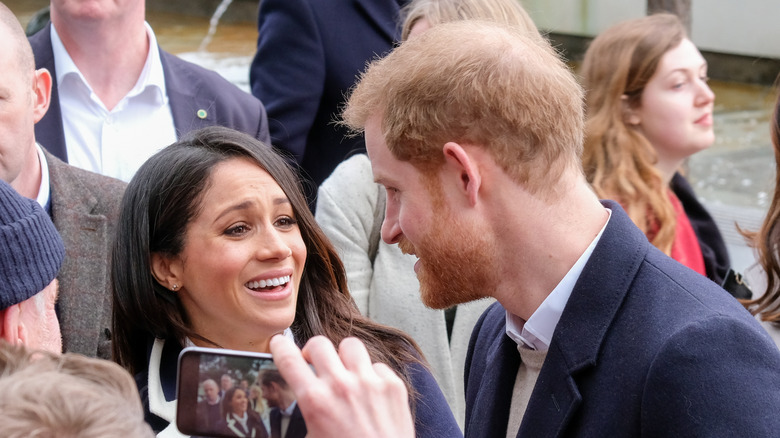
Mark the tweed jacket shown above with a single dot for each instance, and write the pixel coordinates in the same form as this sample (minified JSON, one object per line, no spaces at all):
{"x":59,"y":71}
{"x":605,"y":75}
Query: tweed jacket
{"x":309,"y":54}
{"x":191,"y":89}
{"x":645,"y":347}
{"x":85,"y":211}
{"x":350,"y":210}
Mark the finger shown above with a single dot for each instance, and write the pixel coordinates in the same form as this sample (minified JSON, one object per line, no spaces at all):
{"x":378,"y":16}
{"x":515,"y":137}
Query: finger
{"x":321,"y":353}
{"x":291,"y":363}
{"x":354,"y":355}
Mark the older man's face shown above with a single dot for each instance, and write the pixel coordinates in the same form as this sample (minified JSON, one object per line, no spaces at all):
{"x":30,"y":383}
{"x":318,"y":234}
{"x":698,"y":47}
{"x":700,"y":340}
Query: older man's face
{"x":211,"y":390}
{"x":226,"y":383}
{"x":17,"y":110}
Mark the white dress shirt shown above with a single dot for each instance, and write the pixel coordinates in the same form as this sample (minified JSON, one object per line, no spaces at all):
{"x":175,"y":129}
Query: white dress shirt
{"x":115,"y":142}
{"x":537,"y":332}
{"x":44,"y":191}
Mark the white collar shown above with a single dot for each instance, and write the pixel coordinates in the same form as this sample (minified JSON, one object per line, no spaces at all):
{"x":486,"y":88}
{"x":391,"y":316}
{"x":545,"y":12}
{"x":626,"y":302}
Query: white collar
{"x":44,"y":191}
{"x":152,"y":74}
{"x":537,"y":332}
{"x":290,"y":409}
{"x":157,"y":403}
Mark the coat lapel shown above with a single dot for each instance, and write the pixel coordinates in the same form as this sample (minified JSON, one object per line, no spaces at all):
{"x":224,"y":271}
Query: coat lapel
{"x":584,"y":324}
{"x":191,"y":109}
{"x":276,"y":423}
{"x":495,"y":394}
{"x":85,"y":234}
{"x":384,"y":15}
{"x":49,"y":131}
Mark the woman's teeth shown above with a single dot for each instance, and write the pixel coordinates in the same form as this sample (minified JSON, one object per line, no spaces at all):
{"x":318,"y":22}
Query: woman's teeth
{"x":271,"y":282}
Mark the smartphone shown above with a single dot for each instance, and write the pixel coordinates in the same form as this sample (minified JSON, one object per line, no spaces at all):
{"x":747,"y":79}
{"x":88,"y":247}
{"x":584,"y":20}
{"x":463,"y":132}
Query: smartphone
{"x":229,"y":393}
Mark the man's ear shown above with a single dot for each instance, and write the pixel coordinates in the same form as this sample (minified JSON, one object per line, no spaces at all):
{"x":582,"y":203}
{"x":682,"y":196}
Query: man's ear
{"x":42,"y":83}
{"x":11,"y":325}
{"x":630,"y":116}
{"x":167,"y":271}
{"x":462,"y":163}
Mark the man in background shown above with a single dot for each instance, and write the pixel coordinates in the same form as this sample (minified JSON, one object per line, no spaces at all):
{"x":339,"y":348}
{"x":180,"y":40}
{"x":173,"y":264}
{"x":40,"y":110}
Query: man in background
{"x":285,"y":416}
{"x":31,"y":254}
{"x":309,"y":54}
{"x":83,"y":206}
{"x":209,"y":409}
{"x":117,"y":97}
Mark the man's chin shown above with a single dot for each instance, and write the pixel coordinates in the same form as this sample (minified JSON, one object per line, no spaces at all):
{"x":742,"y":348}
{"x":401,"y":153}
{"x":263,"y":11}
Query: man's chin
{"x":440,"y":300}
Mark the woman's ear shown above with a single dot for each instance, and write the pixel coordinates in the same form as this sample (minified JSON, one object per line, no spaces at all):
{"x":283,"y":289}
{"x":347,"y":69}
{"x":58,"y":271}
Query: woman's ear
{"x":630,"y":115}
{"x":167,"y":270}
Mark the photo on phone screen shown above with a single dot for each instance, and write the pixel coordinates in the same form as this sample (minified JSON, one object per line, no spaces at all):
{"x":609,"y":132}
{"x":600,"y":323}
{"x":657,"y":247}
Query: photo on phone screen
{"x":228,"y":393}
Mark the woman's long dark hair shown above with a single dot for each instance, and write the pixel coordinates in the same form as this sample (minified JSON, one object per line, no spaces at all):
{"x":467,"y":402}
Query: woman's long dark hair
{"x":767,"y":240}
{"x":165,"y":196}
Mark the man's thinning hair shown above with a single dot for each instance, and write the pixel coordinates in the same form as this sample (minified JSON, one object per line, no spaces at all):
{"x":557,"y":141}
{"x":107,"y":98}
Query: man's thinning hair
{"x":67,"y":396}
{"x":10,"y":24}
{"x":475,"y":83}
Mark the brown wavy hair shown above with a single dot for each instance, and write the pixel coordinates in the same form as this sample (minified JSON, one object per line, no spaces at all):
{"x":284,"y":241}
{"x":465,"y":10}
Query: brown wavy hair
{"x":766,"y":240}
{"x":618,"y":160}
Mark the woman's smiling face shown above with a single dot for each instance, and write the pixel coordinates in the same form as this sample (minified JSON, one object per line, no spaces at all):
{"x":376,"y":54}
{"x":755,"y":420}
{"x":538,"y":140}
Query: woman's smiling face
{"x":242,"y":261}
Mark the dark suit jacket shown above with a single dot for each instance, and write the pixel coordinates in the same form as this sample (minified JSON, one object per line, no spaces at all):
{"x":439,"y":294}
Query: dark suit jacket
{"x":85,"y":211}
{"x":309,"y":53}
{"x":296,"y":429}
{"x":190,"y":88}
{"x":645,"y":347}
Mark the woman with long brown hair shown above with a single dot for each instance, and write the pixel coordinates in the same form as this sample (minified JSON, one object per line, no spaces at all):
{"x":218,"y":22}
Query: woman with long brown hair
{"x":766,"y":242}
{"x":649,"y":108}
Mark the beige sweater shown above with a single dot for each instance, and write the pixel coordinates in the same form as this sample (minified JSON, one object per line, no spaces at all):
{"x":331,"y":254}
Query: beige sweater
{"x":531,"y":362}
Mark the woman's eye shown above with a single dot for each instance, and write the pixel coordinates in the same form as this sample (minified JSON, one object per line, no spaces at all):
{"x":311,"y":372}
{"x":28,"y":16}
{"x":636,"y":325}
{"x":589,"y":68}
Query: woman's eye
{"x":237,"y":230}
{"x":286,"y":222}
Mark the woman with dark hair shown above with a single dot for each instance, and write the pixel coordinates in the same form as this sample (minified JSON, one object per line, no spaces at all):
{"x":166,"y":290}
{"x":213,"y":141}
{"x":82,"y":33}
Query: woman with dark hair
{"x":766,"y":241}
{"x":649,"y":108}
{"x":216,"y":247}
{"x":237,"y":419}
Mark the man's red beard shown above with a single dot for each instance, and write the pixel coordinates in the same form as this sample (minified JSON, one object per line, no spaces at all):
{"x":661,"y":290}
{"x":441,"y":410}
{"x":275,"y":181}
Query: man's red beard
{"x":456,"y":265}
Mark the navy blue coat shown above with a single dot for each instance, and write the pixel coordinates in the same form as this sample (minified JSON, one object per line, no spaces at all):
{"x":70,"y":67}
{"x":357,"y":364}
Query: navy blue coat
{"x":189,"y":87}
{"x":645,"y":347}
{"x":309,"y":54}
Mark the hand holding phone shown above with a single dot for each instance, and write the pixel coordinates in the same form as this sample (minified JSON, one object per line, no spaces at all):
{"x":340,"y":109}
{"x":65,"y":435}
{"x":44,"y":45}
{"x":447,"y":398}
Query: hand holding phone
{"x":348,"y":396}
{"x":228,"y":393}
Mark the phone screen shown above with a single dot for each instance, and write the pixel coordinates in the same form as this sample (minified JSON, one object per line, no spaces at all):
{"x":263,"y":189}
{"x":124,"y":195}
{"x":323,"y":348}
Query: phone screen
{"x":228,"y":393}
